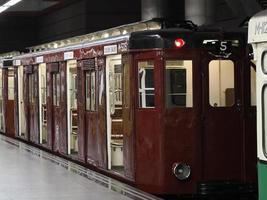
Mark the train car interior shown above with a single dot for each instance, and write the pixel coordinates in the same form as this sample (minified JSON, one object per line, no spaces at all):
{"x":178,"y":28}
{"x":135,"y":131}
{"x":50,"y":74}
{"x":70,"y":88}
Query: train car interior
{"x":72,"y":107}
{"x":179,"y":88}
{"x":2,"y":118}
{"x":221,"y":83}
{"x":43,"y":104}
{"x":114,"y":113}
{"x":21,"y":102}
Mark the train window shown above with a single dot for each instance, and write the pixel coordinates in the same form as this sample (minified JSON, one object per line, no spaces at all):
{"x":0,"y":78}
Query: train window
{"x":90,"y":88}
{"x":146,"y":84}
{"x":252,"y":86}
{"x":221,"y":83}
{"x":56,"y":89}
{"x":264,"y":62}
{"x":264,"y":119}
{"x":179,"y":91}
{"x":43,"y":88}
{"x":118,"y":84}
{"x":10,"y":84}
{"x":31,"y":88}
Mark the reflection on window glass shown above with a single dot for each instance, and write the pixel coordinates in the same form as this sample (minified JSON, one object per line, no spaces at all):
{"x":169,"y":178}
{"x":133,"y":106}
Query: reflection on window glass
{"x":43,"y":88}
{"x":146,"y":84}
{"x":118,"y":84}
{"x":10,"y":84}
{"x":31,"y":88}
{"x":264,"y":62}
{"x":90,"y":90}
{"x":56,"y":89}
{"x":264,"y":118}
{"x":221,"y":83}
{"x":179,"y":91}
{"x":252,"y":86}
{"x":73,"y":87}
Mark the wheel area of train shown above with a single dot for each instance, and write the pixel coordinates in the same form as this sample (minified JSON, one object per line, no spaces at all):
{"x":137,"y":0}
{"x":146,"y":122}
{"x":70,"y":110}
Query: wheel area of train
{"x":28,"y":173}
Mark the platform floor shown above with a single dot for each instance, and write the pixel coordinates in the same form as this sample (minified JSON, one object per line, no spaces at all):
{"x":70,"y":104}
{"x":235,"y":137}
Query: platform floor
{"x":27,"y":173}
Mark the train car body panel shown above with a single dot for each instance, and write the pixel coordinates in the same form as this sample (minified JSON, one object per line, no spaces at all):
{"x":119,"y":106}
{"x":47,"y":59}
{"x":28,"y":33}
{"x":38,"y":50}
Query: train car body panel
{"x":8,"y":89}
{"x":163,"y":109}
{"x":257,"y":38}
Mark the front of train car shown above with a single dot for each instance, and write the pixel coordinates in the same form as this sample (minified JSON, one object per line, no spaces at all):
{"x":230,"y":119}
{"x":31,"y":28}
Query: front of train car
{"x":194,"y":122}
{"x":258,"y":38}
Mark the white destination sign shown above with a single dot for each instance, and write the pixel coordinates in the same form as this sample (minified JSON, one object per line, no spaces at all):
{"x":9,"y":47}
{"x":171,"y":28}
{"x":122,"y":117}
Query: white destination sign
{"x":39,"y":59}
{"x":16,"y":62}
{"x":68,"y":55}
{"x":111,"y":49}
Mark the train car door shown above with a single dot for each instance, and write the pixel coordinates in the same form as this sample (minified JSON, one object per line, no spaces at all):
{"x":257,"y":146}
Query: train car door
{"x":148,"y":75}
{"x":21,"y":125}
{"x":2,"y":118}
{"x":128,"y":117}
{"x":222,"y":116}
{"x":58,"y":106}
{"x":32,"y":102}
{"x":92,"y":109}
{"x":9,"y":103}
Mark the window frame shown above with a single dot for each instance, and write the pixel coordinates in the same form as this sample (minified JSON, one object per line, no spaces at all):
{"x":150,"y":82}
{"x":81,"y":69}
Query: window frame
{"x":165,"y":81}
{"x":154,"y":83}
{"x":56,"y":93}
{"x":252,"y":66}
{"x":8,"y":85}
{"x":262,"y":63}
{"x":88,"y":90}
{"x":264,"y":144}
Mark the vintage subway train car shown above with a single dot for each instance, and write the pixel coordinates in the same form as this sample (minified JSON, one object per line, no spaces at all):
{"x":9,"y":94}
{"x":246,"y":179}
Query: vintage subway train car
{"x":258,"y":39}
{"x":163,"y":108}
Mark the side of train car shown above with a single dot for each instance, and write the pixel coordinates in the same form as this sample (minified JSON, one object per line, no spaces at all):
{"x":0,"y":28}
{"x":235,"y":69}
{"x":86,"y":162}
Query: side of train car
{"x":258,"y":39}
{"x":163,"y":109}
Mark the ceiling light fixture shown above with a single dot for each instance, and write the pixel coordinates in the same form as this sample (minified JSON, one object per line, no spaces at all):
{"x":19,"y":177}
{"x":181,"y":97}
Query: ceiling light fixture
{"x":8,"y":5}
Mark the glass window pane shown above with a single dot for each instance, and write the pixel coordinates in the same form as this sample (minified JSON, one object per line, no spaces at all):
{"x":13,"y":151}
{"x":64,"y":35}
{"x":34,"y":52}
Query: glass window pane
{"x":87,"y":90}
{"x":146,"y":84}
{"x":252,"y":86}
{"x":264,"y":118}
{"x":73,"y":87}
{"x":58,"y":88}
{"x":221,"y":83}
{"x":93,"y":88}
{"x":10,"y":84}
{"x":264,"y":62}
{"x":179,"y":83}
{"x":54,"y":90}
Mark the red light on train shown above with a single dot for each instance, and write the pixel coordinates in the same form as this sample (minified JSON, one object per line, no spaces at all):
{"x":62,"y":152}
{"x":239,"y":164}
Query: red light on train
{"x":179,"y":42}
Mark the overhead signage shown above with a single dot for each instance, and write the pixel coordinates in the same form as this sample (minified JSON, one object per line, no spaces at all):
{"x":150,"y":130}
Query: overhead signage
{"x":110,"y":49}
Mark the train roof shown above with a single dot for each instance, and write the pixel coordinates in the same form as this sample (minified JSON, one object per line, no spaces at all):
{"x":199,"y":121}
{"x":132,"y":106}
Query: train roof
{"x":194,"y":38}
{"x":257,"y":29}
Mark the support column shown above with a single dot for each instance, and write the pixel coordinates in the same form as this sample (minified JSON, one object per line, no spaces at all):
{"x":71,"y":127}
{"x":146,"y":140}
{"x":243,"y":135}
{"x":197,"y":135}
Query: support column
{"x":200,"y":11}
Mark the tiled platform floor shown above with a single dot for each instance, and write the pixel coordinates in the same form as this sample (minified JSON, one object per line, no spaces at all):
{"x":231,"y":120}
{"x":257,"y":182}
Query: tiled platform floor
{"x":27,"y":173}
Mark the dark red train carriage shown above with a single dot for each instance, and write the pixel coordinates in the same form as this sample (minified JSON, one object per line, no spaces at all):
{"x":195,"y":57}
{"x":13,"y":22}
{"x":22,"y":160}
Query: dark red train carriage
{"x":164,"y":109}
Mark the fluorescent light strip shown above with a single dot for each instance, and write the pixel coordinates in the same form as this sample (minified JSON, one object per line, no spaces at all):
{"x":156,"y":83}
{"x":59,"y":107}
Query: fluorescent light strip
{"x":8,"y":5}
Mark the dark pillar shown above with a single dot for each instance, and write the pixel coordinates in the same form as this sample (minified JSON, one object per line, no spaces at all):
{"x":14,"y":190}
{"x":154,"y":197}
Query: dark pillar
{"x":200,"y":11}
{"x":155,"y":9}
